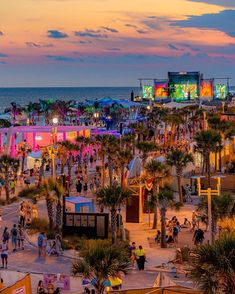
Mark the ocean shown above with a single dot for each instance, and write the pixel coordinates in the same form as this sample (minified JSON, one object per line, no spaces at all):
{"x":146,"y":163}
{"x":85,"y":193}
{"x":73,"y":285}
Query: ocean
{"x":23,"y":96}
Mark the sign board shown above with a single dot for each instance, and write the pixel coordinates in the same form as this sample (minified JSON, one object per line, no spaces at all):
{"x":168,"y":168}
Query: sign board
{"x":91,"y":225}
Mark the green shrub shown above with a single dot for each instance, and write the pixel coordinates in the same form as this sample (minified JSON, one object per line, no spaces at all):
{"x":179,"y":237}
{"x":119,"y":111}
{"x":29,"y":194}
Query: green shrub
{"x":39,"y":225}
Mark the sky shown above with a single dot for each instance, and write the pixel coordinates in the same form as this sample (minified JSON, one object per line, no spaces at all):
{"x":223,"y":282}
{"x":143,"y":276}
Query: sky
{"x":113,"y":42}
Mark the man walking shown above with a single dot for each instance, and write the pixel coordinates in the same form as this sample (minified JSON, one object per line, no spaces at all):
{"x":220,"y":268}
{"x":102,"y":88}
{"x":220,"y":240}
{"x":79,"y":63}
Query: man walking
{"x":14,"y":234}
{"x":40,"y":243}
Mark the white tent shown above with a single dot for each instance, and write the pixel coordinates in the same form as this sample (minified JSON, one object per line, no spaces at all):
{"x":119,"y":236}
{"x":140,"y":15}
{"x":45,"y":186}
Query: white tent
{"x":177,"y":105}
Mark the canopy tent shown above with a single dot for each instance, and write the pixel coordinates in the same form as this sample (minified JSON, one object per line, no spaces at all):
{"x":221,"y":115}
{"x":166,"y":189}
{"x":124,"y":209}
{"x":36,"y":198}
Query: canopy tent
{"x":134,"y":168}
{"x":177,"y":105}
{"x":79,"y":204}
{"x":108,"y":102}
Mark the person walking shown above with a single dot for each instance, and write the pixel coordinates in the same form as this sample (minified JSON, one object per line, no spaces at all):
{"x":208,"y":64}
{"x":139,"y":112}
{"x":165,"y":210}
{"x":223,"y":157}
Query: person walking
{"x":22,"y":216}
{"x":175,"y":233}
{"x":20,"y":237}
{"x":132,"y":255}
{"x":44,"y":245}
{"x":58,"y":246}
{"x":14,"y":236}
{"x":4,"y":253}
{"x":40,"y":241}
{"x":198,"y":237}
{"x":140,"y":257}
{"x":5,"y":235}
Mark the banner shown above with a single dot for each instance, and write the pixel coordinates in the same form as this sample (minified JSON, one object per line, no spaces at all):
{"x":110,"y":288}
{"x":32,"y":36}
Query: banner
{"x":220,"y":91}
{"x":206,"y":88}
{"x":147,"y":92}
{"x":59,"y":281}
{"x":161,"y":89}
{"x":22,"y":286}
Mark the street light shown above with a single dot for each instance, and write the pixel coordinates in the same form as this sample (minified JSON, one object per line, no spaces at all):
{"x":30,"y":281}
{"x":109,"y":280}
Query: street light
{"x":53,"y":147}
{"x":96,"y":116}
{"x":209,"y":192}
{"x":55,"y":120}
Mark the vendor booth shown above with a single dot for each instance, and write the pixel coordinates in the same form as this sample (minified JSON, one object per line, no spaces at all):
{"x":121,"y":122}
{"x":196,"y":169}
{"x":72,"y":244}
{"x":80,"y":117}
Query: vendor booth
{"x":79,"y":204}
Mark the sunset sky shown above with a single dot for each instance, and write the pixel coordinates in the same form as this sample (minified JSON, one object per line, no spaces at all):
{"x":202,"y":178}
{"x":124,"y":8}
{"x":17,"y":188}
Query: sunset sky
{"x":113,"y":42}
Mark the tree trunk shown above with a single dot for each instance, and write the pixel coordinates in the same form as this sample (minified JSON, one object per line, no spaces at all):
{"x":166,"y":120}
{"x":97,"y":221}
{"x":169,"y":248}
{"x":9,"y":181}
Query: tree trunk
{"x":7,"y":188}
{"x":220,"y":161}
{"x":50,"y":213}
{"x":122,"y":177}
{"x":155,"y":209}
{"x":23,"y":160}
{"x":215,"y":161}
{"x":179,"y":188}
{"x":209,"y":169}
{"x":102,"y":170}
{"x":114,"y":226}
{"x":110,"y":168}
{"x":58,"y":216}
{"x":163,"y":227}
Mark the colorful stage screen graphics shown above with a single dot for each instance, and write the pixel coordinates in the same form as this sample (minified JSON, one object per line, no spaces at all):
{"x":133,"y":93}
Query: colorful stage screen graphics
{"x":147,"y":92}
{"x":184,"y":85}
{"x":220,"y":91}
{"x":186,"y":91}
{"x":206,"y":88}
{"x":161,"y":89}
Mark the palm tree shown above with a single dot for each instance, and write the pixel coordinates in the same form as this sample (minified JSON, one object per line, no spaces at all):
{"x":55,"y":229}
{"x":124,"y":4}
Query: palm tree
{"x":223,"y":127}
{"x":100,"y":261}
{"x":123,"y":157}
{"x":62,"y":155}
{"x":179,"y":160}
{"x":174,"y":120}
{"x":166,"y":200}
{"x":157,"y":171}
{"x":129,"y":141}
{"x":82,"y":142}
{"x":68,"y":147}
{"x":221,"y":206}
{"x":61,"y":108}
{"x":8,"y":165}
{"x":4,"y":123}
{"x":213,"y":266}
{"x":207,"y":142}
{"x":25,"y":149}
{"x":15,"y":110}
{"x":146,"y":148}
{"x":112,"y":198}
{"x":52,"y":190}
{"x":107,"y":147}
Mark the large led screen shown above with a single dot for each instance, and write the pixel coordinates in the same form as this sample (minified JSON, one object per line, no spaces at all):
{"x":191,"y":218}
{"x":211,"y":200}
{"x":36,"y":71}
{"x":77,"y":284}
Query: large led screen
{"x":220,"y":91}
{"x":161,"y":89}
{"x":184,"y":85}
{"x":147,"y":92}
{"x":206,"y":88}
{"x":186,"y":91}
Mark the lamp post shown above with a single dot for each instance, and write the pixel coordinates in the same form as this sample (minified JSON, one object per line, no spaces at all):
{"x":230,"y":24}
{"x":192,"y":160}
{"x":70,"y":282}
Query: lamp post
{"x":53,"y":147}
{"x":96,"y":116}
{"x":209,"y":192}
{"x":205,"y":120}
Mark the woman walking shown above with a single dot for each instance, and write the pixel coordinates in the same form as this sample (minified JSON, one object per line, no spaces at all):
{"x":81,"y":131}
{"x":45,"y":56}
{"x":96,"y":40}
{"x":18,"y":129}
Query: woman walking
{"x":4,"y":253}
{"x":140,"y":257}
